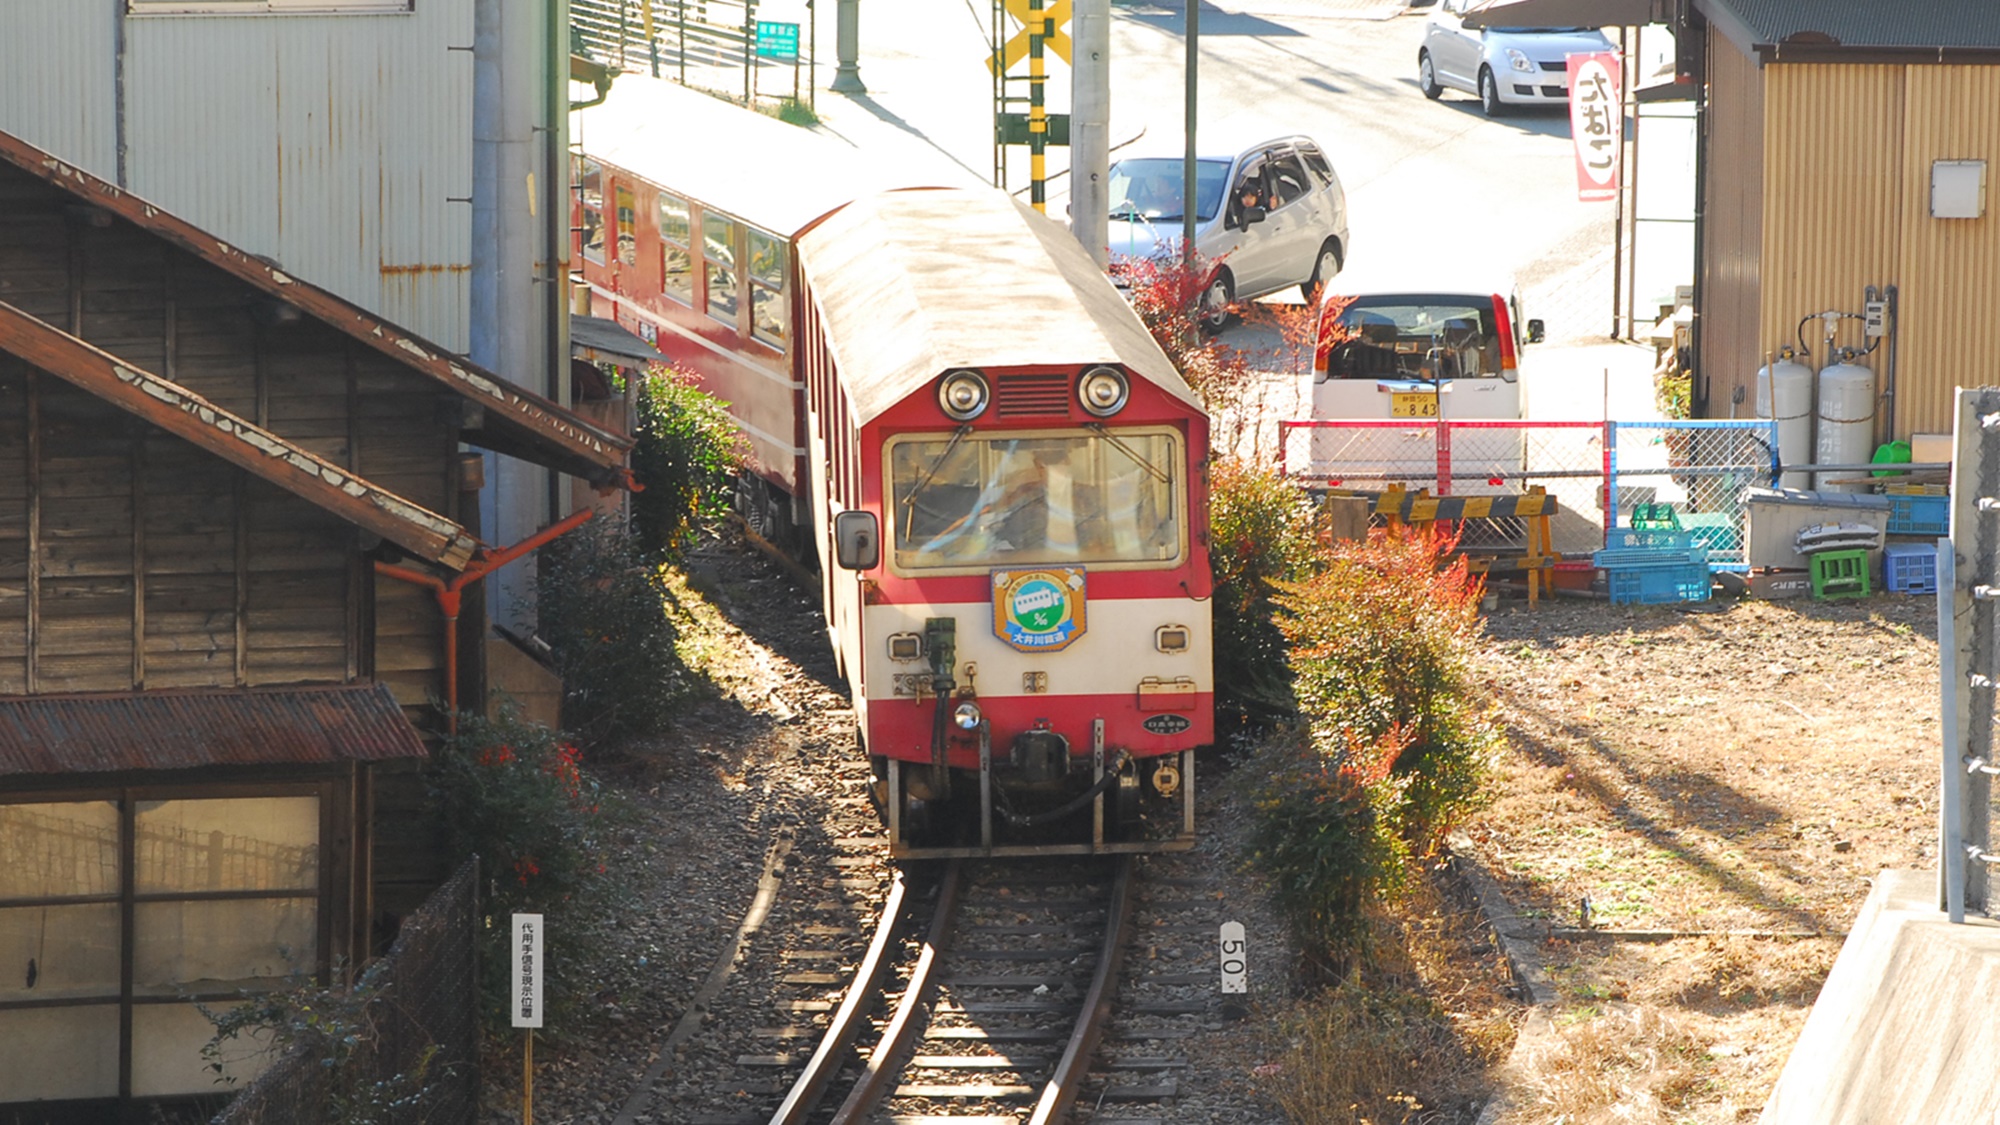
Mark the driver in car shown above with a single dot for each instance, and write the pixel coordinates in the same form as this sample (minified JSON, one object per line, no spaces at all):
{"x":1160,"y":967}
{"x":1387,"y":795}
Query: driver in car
{"x":1153,"y":196}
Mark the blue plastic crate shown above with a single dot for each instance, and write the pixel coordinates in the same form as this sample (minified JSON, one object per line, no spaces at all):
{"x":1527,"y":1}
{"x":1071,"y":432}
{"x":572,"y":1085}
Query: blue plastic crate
{"x":1919,"y":515}
{"x":1648,"y":556}
{"x":1910,"y":568}
{"x":1657,"y":585}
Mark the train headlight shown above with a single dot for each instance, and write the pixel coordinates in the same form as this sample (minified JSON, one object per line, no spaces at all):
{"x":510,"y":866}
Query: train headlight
{"x":963,"y":395}
{"x":1103,"y":391}
{"x":967,"y":716}
{"x":1171,"y":638}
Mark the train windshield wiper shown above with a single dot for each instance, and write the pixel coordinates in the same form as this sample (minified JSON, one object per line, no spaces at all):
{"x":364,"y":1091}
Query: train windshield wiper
{"x":1158,"y":473}
{"x":923,"y":482}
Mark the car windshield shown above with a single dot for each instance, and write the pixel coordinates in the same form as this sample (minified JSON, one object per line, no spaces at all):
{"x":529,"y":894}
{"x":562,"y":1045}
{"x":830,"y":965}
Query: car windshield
{"x":1417,"y":336}
{"x":978,"y":501}
{"x":1150,"y":188}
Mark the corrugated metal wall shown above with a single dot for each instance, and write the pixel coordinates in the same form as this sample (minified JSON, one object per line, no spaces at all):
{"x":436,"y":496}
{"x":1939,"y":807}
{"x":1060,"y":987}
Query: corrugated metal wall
{"x":1834,"y":194}
{"x":58,"y":80}
{"x":1732,"y":228}
{"x":1949,"y":271}
{"x":333,"y":144}
{"x":1847,"y":205}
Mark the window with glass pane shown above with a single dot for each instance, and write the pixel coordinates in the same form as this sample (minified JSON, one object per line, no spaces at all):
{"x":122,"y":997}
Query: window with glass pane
{"x":718,"y":247}
{"x":676,"y":261}
{"x":224,"y":895}
{"x":628,"y":222}
{"x":1036,"y":499}
{"x":59,"y":1053}
{"x":768,"y":314}
{"x":590,"y":190}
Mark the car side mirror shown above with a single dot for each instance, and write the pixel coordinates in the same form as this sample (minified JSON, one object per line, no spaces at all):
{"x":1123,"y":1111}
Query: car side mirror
{"x":1253,"y":215}
{"x":1535,"y":331}
{"x":857,"y":540}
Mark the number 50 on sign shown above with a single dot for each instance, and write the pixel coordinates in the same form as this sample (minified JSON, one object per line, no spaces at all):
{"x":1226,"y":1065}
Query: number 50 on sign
{"x":1235,"y":959}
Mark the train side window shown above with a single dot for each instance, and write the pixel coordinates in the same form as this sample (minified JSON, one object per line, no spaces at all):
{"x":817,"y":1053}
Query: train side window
{"x":718,"y":250}
{"x":676,"y":259}
{"x":767,"y":282}
{"x":590,"y":190}
{"x":627,"y":218}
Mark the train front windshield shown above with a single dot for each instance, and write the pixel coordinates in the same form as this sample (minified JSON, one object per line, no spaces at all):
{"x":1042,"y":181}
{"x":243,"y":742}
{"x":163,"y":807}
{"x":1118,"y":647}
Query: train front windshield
{"x":969,"y":501}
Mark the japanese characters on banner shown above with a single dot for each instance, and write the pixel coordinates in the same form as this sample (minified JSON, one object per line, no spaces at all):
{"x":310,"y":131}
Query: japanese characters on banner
{"x":1596,"y":123}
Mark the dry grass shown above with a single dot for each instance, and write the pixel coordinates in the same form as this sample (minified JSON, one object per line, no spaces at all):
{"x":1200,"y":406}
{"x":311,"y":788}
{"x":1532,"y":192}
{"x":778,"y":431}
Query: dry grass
{"x":1410,"y":1039}
{"x":1621,"y":1064}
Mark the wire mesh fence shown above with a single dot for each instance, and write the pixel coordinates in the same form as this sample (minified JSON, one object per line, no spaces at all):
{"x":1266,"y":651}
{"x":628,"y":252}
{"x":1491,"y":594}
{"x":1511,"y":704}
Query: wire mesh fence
{"x":414,"y":1061}
{"x":1591,"y":468}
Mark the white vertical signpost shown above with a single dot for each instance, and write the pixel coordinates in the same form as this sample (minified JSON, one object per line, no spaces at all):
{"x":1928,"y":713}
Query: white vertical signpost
{"x":524,"y":1001}
{"x":1235,"y":959}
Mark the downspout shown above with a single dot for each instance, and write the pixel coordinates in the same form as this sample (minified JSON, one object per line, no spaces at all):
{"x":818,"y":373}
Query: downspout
{"x":118,"y":88}
{"x":450,"y":594}
{"x":555,"y":216}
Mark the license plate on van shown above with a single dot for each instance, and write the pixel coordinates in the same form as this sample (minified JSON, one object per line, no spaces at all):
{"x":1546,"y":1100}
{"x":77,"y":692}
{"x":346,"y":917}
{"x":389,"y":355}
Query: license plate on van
{"x":1413,"y":404}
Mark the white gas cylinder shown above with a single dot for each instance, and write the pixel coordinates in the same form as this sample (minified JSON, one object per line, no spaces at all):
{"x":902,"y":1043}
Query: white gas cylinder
{"x":1846,"y":433}
{"x":1785,"y":393}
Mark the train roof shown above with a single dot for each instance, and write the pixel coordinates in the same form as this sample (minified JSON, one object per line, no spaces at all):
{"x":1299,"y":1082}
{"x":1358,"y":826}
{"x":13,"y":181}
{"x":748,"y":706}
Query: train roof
{"x":911,"y":284}
{"x":770,"y":174}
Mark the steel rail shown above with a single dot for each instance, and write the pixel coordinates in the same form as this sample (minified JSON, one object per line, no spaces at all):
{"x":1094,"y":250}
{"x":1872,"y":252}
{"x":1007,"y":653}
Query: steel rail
{"x":1060,"y":1093}
{"x":853,"y":1012}
{"x":867,"y":1093}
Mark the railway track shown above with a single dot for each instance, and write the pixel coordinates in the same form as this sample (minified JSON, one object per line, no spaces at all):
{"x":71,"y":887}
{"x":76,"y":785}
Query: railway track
{"x":1014,"y":1001}
{"x":960,"y":993}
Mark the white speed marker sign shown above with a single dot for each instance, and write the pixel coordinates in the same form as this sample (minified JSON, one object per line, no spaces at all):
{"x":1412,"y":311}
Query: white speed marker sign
{"x":1235,"y":959}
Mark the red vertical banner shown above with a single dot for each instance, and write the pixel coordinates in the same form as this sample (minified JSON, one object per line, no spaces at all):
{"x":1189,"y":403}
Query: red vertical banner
{"x":1596,"y":124}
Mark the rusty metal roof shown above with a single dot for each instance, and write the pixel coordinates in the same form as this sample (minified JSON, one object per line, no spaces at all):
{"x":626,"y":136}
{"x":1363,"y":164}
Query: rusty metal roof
{"x":177,"y":730}
{"x":517,"y":421}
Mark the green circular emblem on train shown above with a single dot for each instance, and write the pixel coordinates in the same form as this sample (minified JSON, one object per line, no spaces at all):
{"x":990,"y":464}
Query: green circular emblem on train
{"x":1038,"y":610}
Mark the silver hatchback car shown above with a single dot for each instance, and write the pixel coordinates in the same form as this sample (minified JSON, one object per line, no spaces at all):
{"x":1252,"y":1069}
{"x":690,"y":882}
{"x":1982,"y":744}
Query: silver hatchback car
{"x":1271,"y":215}
{"x":1505,"y":66}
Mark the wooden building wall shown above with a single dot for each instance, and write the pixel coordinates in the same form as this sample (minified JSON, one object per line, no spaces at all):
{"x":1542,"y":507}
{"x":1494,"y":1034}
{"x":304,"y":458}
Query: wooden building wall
{"x":156,"y":565}
{"x":132,"y":560}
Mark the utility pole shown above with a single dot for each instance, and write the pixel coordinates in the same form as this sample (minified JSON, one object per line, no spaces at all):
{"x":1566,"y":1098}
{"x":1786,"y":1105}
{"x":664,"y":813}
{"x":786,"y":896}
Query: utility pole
{"x":1090,"y":128}
{"x":847,"y":48}
{"x":1187,"y":167}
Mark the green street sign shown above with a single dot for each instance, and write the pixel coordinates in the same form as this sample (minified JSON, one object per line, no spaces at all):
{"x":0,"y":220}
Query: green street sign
{"x":778,"y":41}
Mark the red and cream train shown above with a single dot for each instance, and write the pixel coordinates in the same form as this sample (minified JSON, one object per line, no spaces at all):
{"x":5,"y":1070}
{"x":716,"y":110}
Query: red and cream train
{"x":1002,"y":476}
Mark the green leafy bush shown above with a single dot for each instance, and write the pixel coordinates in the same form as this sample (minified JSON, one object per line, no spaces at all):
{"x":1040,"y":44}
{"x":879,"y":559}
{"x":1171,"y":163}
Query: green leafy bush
{"x":1326,"y":831}
{"x":515,"y":794}
{"x":602,"y":604}
{"x":1383,"y":639}
{"x":685,"y":450}
{"x":1397,"y":732}
{"x":1260,"y":532}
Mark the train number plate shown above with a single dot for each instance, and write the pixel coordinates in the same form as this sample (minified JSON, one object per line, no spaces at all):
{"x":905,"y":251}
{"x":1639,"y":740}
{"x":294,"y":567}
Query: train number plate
{"x":1413,"y":404}
{"x":1167,"y":724}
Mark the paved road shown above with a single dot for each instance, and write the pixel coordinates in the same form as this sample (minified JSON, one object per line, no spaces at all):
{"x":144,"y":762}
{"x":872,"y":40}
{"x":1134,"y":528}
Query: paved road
{"x":1430,"y":185}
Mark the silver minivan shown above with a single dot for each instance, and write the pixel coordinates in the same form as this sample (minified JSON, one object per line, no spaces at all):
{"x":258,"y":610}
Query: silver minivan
{"x":1272,"y":215}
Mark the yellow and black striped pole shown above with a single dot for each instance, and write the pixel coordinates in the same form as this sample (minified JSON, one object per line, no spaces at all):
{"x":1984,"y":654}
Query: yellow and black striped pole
{"x":1038,"y":117}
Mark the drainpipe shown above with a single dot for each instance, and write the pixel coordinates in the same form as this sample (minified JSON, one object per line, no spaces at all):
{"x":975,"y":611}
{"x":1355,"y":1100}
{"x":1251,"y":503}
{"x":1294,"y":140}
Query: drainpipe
{"x":449,"y":594}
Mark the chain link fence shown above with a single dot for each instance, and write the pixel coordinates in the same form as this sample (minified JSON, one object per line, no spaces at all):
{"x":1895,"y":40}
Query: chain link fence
{"x":1699,"y":467}
{"x":415,"y":1061}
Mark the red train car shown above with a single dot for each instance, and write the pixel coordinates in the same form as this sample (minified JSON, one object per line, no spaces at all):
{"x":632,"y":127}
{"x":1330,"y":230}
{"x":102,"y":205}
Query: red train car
{"x":1003,"y":479}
